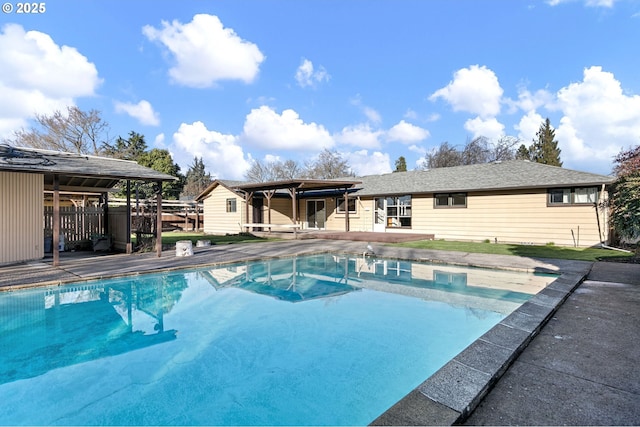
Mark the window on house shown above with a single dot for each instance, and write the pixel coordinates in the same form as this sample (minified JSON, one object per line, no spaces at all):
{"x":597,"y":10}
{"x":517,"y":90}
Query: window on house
{"x":340,"y":205}
{"x":399,"y":211}
{"x":560,"y":196}
{"x":573,"y":196}
{"x":585,"y":195}
{"x":450,"y":200}
{"x":231,"y":205}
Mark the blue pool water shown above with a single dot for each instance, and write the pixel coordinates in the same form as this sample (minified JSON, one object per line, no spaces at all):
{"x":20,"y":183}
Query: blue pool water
{"x":315,"y":340}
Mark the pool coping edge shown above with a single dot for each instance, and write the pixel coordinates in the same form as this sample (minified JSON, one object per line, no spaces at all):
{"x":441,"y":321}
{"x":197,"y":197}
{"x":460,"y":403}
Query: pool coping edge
{"x":451,"y":394}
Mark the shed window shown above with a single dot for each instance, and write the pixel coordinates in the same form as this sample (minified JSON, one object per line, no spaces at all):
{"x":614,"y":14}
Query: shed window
{"x":450,"y":200}
{"x":231,"y":205}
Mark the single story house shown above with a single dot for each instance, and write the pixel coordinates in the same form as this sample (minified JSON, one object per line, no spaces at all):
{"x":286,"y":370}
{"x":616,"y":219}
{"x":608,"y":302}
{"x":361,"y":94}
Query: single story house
{"x":509,"y":202}
{"x":28,"y":177}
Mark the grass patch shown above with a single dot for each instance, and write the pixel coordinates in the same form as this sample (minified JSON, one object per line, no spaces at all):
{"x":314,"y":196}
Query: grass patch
{"x":532,"y":251}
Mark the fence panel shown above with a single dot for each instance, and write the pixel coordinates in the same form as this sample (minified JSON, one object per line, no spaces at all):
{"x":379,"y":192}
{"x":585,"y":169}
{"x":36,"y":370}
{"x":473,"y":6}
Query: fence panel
{"x":77,"y":224}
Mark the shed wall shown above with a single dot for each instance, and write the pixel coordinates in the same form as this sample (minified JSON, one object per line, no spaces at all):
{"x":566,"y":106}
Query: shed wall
{"x":216,"y":218}
{"x":21,"y":217}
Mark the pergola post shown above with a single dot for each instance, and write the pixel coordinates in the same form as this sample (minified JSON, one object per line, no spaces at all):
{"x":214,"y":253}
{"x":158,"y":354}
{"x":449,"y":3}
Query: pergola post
{"x":197,"y":224}
{"x":269,"y":194}
{"x":56,"y":220}
{"x":247,"y":199}
{"x":159,"y":220}
{"x":346,"y":210}
{"x":128,"y":239}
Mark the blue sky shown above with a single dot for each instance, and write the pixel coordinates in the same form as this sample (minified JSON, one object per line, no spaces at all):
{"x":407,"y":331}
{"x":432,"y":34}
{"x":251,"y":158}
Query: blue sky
{"x":234,"y":81}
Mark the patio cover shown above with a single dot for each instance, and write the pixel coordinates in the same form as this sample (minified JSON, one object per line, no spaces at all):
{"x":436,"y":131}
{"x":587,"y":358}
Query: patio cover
{"x":69,"y":172}
{"x":295,"y":187}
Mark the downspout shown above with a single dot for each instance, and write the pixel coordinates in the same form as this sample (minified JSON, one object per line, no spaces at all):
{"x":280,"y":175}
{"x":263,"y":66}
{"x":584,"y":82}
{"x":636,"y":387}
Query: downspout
{"x":595,"y":205}
{"x":602,"y":242}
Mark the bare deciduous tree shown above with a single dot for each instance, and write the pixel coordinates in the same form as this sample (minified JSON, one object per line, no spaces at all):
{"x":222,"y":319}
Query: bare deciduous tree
{"x":329,"y":164}
{"x":259,"y":172}
{"x":289,"y":169}
{"x":76,"y":131}
{"x":442,"y":157}
{"x":504,"y":149}
{"x":478,"y":150}
{"x":273,"y":171}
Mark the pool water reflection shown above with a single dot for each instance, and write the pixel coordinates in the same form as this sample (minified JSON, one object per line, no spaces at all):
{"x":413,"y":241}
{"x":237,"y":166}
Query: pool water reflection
{"x":325,"y":339}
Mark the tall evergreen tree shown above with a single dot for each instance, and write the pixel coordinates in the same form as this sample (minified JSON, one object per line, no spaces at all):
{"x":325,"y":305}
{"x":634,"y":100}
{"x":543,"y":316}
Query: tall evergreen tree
{"x":545,"y":147}
{"x":401,"y":164}
{"x":126,"y":149}
{"x":197,"y":179}
{"x":161,"y":161}
{"x":523,"y":153}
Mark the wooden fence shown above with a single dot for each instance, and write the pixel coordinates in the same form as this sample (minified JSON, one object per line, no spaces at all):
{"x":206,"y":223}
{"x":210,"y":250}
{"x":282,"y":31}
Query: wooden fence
{"x":77,"y":224}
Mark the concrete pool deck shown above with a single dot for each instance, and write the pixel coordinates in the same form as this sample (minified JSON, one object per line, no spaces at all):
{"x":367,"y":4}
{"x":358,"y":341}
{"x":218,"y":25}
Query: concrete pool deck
{"x":539,"y":372}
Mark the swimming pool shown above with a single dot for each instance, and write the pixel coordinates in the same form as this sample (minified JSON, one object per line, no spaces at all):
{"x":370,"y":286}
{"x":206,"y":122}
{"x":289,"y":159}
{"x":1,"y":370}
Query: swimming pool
{"x":314,"y":340}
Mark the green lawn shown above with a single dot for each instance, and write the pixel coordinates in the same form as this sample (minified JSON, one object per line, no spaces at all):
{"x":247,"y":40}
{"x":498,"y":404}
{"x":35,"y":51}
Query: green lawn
{"x":547,"y":251}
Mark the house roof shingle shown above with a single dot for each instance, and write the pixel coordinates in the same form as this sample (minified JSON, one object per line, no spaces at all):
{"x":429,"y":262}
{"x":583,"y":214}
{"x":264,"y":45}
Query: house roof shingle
{"x":506,"y":175}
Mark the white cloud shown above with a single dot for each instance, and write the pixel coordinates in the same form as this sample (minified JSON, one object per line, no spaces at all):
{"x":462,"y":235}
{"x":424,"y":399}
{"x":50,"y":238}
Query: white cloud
{"x":158,"y":141}
{"x":411,"y":114}
{"x":39,"y":76}
{"x":360,"y":135}
{"x":265,"y":128}
{"x":306,"y":75}
{"x":362,"y":163}
{"x":590,"y":3}
{"x":528,"y":126}
{"x":528,"y":101}
{"x":272,"y":158}
{"x":599,"y":119}
{"x":489,"y":128}
{"x":372,"y":115}
{"x":418,"y":149}
{"x":142,"y":111}
{"x":474,"y":90}
{"x":206,"y":52}
{"x":221,"y":154}
{"x":407,"y":133}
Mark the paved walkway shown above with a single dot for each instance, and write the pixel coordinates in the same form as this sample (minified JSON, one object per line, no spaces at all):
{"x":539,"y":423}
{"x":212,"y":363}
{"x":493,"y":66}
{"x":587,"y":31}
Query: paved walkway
{"x":584,"y":366}
{"x":581,"y":368}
